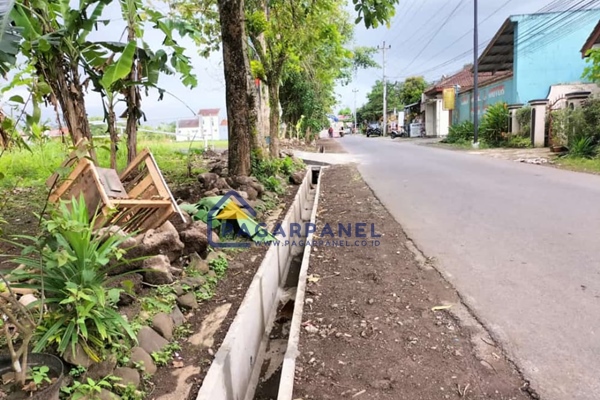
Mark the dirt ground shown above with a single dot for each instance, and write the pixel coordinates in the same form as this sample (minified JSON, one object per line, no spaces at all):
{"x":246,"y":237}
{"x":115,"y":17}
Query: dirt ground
{"x":369,"y":327}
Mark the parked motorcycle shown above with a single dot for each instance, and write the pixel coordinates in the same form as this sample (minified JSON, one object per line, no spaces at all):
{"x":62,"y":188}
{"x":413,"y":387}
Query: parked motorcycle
{"x":374,"y":130}
{"x":398,"y":133}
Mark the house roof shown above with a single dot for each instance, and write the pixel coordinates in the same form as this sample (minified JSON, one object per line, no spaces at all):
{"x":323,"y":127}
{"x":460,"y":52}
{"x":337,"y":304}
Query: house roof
{"x":209,"y":112}
{"x":188,"y":123}
{"x":224,"y":122}
{"x":499,"y":54}
{"x":464,"y":78}
{"x":592,"y":40}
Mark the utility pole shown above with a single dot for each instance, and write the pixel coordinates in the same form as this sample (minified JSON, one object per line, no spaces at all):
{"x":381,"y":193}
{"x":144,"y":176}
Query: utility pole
{"x":383,"y":49}
{"x":355,"y":122}
{"x":475,"y":80}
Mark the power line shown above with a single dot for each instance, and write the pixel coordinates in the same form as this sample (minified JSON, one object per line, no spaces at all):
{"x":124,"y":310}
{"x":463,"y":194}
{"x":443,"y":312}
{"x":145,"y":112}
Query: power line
{"x":419,"y":30}
{"x":461,"y":3}
{"x":556,"y":4}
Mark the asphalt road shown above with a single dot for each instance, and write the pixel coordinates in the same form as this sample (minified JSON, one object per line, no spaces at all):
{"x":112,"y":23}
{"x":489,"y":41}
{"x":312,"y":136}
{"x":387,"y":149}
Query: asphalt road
{"x":520,"y":242}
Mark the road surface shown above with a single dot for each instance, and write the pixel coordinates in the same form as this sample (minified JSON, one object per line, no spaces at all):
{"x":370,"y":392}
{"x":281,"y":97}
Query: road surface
{"x":520,"y":242}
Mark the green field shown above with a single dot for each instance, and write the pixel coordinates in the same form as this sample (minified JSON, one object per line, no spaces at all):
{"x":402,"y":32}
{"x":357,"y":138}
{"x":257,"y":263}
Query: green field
{"x":26,"y":168}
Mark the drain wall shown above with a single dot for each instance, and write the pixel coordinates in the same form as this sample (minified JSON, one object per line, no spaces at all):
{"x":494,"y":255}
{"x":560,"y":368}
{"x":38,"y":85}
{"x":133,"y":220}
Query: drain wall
{"x":235,"y":370}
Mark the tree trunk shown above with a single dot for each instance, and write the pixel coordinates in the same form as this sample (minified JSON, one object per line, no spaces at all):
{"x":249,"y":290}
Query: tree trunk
{"x":274,"y":118}
{"x":132,"y":98}
{"x":70,"y":98}
{"x":111,"y":120}
{"x":239,"y":90}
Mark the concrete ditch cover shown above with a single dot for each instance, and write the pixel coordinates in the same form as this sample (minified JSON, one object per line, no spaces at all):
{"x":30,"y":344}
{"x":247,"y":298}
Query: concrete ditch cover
{"x":210,"y":326}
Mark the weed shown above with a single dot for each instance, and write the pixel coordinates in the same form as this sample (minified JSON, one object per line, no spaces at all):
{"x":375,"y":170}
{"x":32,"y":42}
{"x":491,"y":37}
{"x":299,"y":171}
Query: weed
{"x":219,"y":265}
{"x":129,"y":392}
{"x":182,"y":331}
{"x":39,"y":375}
{"x":77,"y":371}
{"x":166,"y":354}
{"x":89,"y":389}
{"x":582,"y":147}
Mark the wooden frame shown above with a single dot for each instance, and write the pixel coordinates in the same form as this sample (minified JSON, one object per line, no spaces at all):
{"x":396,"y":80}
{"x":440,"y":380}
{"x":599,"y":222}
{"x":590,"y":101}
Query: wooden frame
{"x":137,"y":201}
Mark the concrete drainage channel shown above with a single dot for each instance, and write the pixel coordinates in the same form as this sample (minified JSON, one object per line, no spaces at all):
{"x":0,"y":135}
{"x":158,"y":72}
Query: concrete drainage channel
{"x":257,"y":358}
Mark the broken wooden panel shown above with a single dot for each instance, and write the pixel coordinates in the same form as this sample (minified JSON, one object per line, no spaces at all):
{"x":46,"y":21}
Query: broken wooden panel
{"x":136,"y":201}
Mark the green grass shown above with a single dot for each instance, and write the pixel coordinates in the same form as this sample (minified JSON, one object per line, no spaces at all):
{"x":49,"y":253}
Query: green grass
{"x":31,"y":169}
{"x":580,"y":164}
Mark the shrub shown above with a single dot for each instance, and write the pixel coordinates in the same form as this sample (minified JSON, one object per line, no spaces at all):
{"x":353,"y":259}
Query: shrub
{"x":518,"y":142}
{"x":524,"y":120}
{"x":460,"y":133}
{"x":583,"y":147}
{"x":494,"y":125}
{"x":68,"y":265}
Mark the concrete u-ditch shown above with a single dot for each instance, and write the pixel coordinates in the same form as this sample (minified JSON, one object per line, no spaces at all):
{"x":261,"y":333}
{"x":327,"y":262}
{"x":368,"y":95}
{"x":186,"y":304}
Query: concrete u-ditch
{"x":238,"y":365}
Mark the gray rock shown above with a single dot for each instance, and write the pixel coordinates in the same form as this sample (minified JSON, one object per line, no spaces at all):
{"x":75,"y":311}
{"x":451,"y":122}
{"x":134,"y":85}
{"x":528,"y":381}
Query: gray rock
{"x":178,"y":290}
{"x":188,"y":301}
{"x":151,"y":341}
{"x":164,"y":240}
{"x":214,"y":255}
{"x":194,"y":238}
{"x":221,"y":184}
{"x":97,"y":371}
{"x":180,"y":224}
{"x":163,"y":324}
{"x":383,"y":384}
{"x":177,"y":316}
{"x":78,"y":357}
{"x":193,"y":282}
{"x":103,"y":395}
{"x":128,"y":376}
{"x":297,"y":177}
{"x":139,"y":356}
{"x":198,"y":264}
{"x":27,"y":299}
{"x":208,"y":180}
{"x":157,"y":270}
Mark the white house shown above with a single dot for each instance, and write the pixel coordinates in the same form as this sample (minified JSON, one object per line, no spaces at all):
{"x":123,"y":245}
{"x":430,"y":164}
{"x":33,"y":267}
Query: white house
{"x":203,"y":127}
{"x":223,"y":130}
{"x":188,"y":130}
{"x":209,"y":123}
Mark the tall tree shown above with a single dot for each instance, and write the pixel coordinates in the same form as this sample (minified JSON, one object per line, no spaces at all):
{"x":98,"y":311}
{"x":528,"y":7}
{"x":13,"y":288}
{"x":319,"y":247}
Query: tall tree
{"x":412,"y":89}
{"x":241,"y":108}
{"x":373,"y":109}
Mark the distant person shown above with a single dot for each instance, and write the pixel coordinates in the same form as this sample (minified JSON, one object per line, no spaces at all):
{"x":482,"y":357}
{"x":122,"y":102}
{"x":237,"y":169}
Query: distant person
{"x":330,"y":132}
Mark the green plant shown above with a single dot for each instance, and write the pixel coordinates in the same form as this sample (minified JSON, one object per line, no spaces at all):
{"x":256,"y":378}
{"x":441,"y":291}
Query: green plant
{"x":273,"y":184}
{"x":39,"y":375}
{"x":77,"y":371}
{"x":219,"y":265}
{"x":166,"y":354}
{"x":460,"y":133}
{"x":129,"y":392}
{"x":68,"y":263}
{"x":88,"y":389}
{"x":182,"y":331}
{"x":494,"y":125}
{"x":524,"y":121}
{"x":519,"y":142}
{"x":582,"y":147}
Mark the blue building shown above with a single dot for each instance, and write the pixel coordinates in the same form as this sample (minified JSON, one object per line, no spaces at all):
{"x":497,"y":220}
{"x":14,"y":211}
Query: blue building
{"x":534,"y":52}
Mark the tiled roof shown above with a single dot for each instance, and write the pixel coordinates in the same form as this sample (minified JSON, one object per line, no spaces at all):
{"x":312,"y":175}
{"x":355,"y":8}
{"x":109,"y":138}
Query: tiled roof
{"x":209,"y":112}
{"x":464,"y":79}
{"x":224,"y":122}
{"x":189,"y":123}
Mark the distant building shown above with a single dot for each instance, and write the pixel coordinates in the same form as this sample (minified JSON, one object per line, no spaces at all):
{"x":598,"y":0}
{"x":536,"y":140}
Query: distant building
{"x":223,"y":130}
{"x":205,"y":126}
{"x":531,"y":55}
{"x":188,"y":130}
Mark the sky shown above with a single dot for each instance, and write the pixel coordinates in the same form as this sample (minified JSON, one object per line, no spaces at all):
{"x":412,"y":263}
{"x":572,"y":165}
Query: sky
{"x":425,"y":38}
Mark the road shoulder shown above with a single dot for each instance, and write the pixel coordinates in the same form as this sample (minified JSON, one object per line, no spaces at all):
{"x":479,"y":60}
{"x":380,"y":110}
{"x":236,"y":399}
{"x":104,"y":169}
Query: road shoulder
{"x":370,"y":326}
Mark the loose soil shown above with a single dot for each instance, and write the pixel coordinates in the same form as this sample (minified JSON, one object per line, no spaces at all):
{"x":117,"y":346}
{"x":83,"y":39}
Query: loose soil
{"x":376,"y":334}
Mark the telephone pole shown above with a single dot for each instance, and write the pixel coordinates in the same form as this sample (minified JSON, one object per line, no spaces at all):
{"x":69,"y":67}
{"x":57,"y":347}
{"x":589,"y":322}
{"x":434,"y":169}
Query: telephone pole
{"x":383,"y":49}
{"x":475,"y":80}
{"x":355,"y":122}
